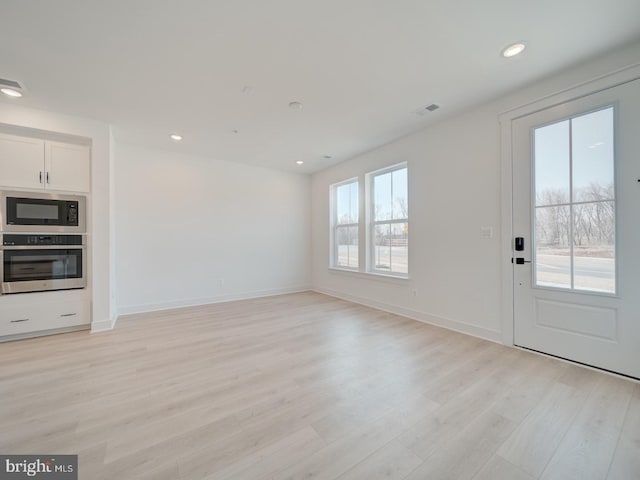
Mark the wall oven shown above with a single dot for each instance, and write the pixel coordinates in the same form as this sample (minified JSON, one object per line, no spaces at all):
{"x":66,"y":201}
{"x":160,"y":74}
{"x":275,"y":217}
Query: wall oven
{"x":34,"y":263}
{"x":42,"y":212}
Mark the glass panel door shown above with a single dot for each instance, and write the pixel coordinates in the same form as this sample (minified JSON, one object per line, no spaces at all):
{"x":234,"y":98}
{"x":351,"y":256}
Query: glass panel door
{"x":576,"y":193}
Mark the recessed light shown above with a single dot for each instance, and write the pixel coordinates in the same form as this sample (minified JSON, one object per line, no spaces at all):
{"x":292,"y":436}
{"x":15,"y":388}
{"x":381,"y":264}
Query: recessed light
{"x":299,"y":162}
{"x":10,"y":92}
{"x":513,"y":50}
{"x":295,"y":105}
{"x":175,"y":137}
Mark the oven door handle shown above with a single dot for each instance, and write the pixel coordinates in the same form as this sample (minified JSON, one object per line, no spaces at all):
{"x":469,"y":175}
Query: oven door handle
{"x":42,"y":247}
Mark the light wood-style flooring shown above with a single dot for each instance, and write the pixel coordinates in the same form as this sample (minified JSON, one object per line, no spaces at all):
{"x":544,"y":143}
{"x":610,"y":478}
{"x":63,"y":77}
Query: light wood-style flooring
{"x":307,"y":386}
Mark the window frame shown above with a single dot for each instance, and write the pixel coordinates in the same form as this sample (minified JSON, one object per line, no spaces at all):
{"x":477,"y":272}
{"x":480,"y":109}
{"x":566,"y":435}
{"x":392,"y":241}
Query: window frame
{"x":335,"y":225}
{"x":372,"y":222}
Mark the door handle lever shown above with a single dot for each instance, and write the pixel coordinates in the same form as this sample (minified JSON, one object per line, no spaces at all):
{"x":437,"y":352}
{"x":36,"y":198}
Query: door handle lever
{"x":520,"y":261}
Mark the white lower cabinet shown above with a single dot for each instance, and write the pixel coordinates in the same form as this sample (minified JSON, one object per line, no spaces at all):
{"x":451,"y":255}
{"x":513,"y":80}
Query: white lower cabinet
{"x":21,"y":320}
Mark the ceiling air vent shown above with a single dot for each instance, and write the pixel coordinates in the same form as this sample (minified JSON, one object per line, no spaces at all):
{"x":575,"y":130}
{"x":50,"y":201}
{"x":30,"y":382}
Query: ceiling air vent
{"x":429,"y":108}
{"x":11,"y":88}
{"x":10,"y":83}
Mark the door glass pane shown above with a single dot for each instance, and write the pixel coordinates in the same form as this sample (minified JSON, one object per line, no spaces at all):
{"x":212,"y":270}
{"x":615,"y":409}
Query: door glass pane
{"x":574,"y":169}
{"x":592,"y":156}
{"x":594,"y":247}
{"x":552,"y":265}
{"x":552,"y":164}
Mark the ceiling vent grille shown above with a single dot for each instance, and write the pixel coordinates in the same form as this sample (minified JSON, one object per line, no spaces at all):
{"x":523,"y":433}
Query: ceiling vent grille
{"x":10,"y":83}
{"x":429,"y":108}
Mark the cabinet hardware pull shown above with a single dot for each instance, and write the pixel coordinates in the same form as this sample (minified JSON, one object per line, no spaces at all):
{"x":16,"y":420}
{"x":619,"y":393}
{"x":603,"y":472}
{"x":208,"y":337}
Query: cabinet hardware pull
{"x":68,"y":314}
{"x":47,"y":177}
{"x":40,"y":177}
{"x":18,"y":321}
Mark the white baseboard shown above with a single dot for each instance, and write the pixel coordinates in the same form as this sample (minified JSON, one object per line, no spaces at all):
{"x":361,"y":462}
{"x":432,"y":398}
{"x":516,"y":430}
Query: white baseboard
{"x":103,"y":325}
{"x":193,"y":302}
{"x":455,"y":325}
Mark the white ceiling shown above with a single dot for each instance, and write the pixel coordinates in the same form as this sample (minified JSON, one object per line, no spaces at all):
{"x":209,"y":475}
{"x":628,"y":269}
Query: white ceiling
{"x":360,"y":67}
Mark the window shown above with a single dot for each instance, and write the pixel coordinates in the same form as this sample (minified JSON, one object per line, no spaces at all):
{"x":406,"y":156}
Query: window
{"x":388,"y":240}
{"x":387,"y":208}
{"x":575,"y":202}
{"x":345,"y":208}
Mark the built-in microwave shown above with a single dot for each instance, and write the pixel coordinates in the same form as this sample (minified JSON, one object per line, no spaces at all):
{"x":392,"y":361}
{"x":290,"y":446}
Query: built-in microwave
{"x":36,"y":263}
{"x":42,"y":212}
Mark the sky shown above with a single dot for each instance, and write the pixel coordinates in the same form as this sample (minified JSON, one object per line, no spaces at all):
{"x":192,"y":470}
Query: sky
{"x":388,"y":189}
{"x":583,"y":143}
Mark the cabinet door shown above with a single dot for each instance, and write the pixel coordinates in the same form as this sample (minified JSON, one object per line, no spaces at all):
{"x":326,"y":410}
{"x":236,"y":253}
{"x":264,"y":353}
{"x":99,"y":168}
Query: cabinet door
{"x":21,"y":162}
{"x":68,"y":167}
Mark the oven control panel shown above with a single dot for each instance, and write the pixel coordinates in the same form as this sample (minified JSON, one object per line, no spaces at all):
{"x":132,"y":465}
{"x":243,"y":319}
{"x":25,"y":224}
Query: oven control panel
{"x":35,"y":240}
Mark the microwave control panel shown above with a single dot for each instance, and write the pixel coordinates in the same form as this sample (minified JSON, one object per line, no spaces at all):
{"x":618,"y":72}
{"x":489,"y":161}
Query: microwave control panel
{"x":72,"y":213}
{"x":28,"y":240}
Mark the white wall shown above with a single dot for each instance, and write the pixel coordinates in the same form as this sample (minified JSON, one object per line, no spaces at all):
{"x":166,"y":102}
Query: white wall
{"x":113,"y":301}
{"x":454,"y":190}
{"x":192,"y":230}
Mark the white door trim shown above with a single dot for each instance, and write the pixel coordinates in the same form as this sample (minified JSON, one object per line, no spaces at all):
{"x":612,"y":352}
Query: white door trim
{"x":618,"y":77}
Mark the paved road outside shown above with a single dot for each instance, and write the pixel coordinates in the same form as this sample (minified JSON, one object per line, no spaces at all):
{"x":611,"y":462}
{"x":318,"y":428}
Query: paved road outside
{"x":591,"y":273}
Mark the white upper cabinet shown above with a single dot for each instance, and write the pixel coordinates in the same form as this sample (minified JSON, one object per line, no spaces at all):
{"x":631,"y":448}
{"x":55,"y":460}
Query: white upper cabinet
{"x":21,"y":162}
{"x":42,"y":164}
{"x":67,"y":167}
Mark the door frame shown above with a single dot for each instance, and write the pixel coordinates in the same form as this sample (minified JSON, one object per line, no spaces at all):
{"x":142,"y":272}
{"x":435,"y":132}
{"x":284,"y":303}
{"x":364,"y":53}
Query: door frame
{"x":505,"y":119}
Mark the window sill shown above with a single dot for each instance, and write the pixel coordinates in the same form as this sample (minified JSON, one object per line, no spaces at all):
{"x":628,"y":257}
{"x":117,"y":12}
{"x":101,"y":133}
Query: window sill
{"x":370,"y":275}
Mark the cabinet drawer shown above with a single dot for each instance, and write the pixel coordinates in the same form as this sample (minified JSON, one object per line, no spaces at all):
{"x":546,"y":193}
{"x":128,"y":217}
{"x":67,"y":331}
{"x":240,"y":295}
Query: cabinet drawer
{"x":67,"y":314}
{"x":24,"y":319}
{"x":17,"y":320}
